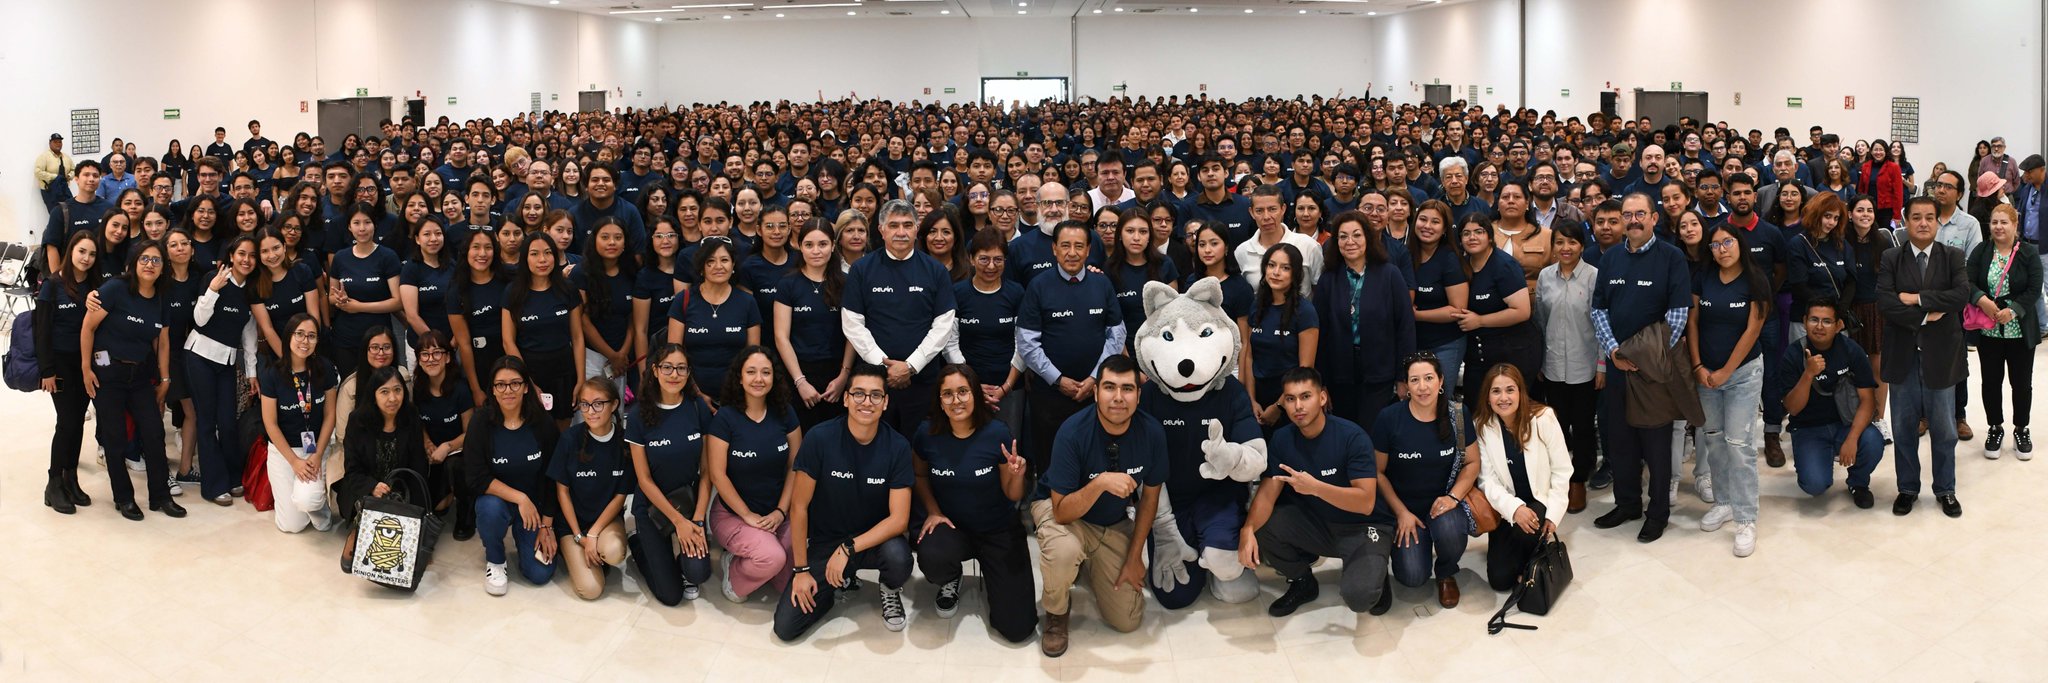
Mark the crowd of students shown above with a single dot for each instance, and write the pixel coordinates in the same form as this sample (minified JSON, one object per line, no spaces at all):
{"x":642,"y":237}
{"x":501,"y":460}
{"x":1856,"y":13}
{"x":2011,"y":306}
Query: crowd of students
{"x":870,"y":336}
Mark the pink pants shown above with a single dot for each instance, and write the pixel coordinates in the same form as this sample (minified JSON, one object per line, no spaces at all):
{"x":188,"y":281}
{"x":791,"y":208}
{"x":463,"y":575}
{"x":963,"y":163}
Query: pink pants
{"x":762,"y":557}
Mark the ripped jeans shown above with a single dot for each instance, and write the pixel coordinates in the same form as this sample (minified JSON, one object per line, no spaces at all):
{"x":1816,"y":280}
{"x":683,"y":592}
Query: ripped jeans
{"x":1727,"y":442}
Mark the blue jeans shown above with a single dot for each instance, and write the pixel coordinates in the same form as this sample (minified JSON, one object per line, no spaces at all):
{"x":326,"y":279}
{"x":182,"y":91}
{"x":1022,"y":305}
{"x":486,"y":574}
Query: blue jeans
{"x":1452,"y":356}
{"x":1912,"y":402}
{"x":1727,"y":441}
{"x":1777,"y":333}
{"x":494,"y":517}
{"x":1814,"y":449}
{"x":1439,"y":542}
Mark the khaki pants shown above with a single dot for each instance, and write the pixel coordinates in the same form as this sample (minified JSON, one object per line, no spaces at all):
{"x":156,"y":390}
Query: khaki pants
{"x":1062,"y":548}
{"x":588,"y":579}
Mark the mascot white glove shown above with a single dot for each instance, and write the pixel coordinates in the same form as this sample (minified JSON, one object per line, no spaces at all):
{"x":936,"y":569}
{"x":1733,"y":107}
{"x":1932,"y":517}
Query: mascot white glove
{"x":1222,"y":459}
{"x":1170,"y":553}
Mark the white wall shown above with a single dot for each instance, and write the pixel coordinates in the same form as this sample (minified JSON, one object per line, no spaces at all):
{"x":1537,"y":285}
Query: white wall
{"x":1237,"y":57}
{"x":223,"y":62}
{"x":1974,"y":64}
{"x":897,"y":59}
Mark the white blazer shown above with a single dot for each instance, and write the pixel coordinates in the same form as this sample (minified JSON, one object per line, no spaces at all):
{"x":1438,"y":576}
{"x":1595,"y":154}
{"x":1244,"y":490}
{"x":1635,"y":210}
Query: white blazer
{"x":1548,"y":463}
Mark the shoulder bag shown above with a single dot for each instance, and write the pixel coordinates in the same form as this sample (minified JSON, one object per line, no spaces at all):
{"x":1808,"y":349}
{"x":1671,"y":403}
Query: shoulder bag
{"x":1480,"y":516}
{"x":1974,"y":318}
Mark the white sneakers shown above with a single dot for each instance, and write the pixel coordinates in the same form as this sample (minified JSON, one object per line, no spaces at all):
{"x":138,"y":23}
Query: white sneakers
{"x":1883,"y":429}
{"x":1745,"y":539}
{"x":725,"y":579}
{"x":495,"y":579}
{"x":1719,"y":515}
{"x":1704,"y":485}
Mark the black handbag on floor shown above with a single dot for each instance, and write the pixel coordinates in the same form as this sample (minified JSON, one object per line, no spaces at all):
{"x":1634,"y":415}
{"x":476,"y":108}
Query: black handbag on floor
{"x":1543,"y":582}
{"x":395,"y":535}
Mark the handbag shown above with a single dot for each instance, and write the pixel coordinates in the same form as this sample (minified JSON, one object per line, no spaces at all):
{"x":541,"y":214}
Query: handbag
{"x":683,"y":498}
{"x":1479,"y":513}
{"x":1974,"y":318}
{"x":1543,"y":581}
{"x":395,"y":534}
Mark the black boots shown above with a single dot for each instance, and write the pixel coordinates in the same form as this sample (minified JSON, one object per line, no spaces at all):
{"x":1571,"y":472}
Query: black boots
{"x":1300,"y":592}
{"x":77,"y":495}
{"x":465,"y":519}
{"x":56,"y":497}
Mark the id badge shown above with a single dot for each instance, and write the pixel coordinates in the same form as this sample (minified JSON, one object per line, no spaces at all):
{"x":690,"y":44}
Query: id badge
{"x":547,"y":401}
{"x":476,"y":342}
{"x":100,"y":358}
{"x":307,"y":441}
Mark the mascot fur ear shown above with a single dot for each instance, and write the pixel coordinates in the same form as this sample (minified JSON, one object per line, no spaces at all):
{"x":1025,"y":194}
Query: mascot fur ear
{"x":1157,"y":295}
{"x":1206,"y":290}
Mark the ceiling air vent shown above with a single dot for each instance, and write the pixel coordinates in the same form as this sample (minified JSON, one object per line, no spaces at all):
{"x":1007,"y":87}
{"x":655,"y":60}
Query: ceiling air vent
{"x":899,"y":14}
{"x":1147,"y":10}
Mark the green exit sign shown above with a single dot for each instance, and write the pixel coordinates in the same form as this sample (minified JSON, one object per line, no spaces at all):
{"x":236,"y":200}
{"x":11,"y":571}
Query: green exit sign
{"x":1021,"y":74}
{"x":173,"y":114}
{"x":362,"y":92}
{"x":949,"y":91}
{"x":1565,"y":92}
{"x":451,"y":100}
{"x":1676,"y":85}
{"x":1795,"y":102}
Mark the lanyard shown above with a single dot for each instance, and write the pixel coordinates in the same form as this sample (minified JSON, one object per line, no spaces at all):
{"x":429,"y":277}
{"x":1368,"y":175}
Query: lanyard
{"x":299,"y":386}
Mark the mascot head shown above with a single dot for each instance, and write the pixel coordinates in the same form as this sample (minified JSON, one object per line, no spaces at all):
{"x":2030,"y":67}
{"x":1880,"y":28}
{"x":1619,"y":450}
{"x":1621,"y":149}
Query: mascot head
{"x":1188,"y":345}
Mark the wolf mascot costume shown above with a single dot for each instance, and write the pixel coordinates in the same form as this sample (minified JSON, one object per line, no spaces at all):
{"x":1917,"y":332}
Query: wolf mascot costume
{"x":1189,"y":348}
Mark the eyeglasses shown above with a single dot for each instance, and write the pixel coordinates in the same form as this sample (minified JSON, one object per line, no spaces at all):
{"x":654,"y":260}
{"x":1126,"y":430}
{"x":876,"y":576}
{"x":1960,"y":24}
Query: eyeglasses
{"x":1001,"y":209}
{"x":1110,"y":453}
{"x":956,"y":396}
{"x":434,"y":353}
{"x":308,"y":336}
{"x":150,"y":261}
{"x":1723,"y":243}
{"x":507,"y":387}
{"x":597,"y":406}
{"x":1943,"y":186}
{"x":858,"y":396}
{"x":988,"y":260}
{"x":381,"y":348}
{"x":671,"y":368}
{"x":1638,"y":215}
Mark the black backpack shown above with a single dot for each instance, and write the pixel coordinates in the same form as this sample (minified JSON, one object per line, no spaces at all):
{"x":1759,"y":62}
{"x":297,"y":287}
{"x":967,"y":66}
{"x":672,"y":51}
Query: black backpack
{"x":19,"y":367}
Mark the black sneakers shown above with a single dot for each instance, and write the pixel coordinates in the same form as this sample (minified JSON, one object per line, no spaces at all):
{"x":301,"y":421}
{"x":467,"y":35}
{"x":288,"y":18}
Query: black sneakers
{"x":1299,"y":592}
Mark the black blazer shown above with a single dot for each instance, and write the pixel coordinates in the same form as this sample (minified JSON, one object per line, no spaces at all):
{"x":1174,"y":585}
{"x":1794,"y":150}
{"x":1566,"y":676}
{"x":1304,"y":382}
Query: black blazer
{"x":2023,"y":285}
{"x":1938,"y":345}
{"x":1386,"y":332}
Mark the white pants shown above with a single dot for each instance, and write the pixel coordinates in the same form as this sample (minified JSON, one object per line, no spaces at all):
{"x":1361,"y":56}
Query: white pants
{"x":595,"y":365}
{"x":298,"y":503}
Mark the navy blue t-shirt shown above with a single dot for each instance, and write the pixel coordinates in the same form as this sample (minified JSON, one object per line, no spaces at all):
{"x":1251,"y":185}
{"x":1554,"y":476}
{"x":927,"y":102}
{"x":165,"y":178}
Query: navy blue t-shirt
{"x":1027,"y":255}
{"x":1071,"y":318}
{"x":288,"y":295}
{"x":1130,"y":291}
{"x":815,"y":333}
{"x":1433,"y":281}
{"x":179,"y":296}
{"x":543,"y":323}
{"x":1081,"y":451}
{"x":433,"y":295}
{"x":1234,"y":214}
{"x":128,"y":332}
{"x":658,"y":289}
{"x":1275,"y":344}
{"x":764,"y":279}
{"x":853,"y":480}
{"x":714,"y":334}
{"x":301,"y":399}
{"x":1767,"y":245}
{"x":1845,"y":361}
{"x":1637,"y":288}
{"x":68,"y":318}
{"x":617,"y":318}
{"x":1724,"y":313}
{"x":593,"y":483}
{"x":757,"y":454}
{"x":486,"y":326}
{"x":520,"y":460}
{"x":366,"y":279}
{"x":899,"y":298}
{"x":988,"y":328}
{"x":966,"y":478}
{"x":442,"y":415}
{"x":1490,"y":288}
{"x":1418,"y":463}
{"x":1341,"y":453}
{"x":673,"y":444}
{"x":1186,"y":425}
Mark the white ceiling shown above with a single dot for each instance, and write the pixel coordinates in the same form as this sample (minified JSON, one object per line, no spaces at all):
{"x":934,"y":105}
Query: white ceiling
{"x":701,"y":10}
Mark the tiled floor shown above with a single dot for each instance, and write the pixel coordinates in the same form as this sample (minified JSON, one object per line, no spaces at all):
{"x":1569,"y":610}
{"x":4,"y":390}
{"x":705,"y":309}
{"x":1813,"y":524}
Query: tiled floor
{"x":1833,"y":593}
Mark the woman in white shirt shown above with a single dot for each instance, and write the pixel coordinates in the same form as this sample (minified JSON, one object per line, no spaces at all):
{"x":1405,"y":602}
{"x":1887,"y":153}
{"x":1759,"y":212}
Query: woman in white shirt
{"x":1524,"y":471}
